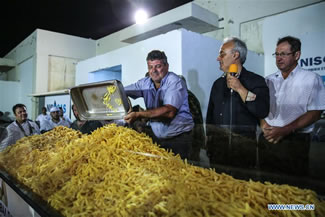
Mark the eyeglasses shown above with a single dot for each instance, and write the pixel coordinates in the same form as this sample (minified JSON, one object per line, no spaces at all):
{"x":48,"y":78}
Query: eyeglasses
{"x":282,"y":54}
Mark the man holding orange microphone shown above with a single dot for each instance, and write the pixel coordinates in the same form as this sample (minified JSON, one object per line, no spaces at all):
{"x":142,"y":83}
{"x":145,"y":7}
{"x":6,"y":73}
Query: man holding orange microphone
{"x":238,"y":100}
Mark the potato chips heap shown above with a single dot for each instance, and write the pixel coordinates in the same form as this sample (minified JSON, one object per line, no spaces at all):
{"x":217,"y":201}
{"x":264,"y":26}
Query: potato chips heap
{"x":116,"y":171}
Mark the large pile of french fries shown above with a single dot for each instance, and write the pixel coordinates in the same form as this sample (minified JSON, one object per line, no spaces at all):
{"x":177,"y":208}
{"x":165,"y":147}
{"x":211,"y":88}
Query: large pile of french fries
{"x":116,"y":171}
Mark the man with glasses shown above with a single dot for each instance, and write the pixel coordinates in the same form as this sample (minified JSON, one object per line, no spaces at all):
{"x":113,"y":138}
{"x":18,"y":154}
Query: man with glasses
{"x":296,"y":102}
{"x":236,"y":105}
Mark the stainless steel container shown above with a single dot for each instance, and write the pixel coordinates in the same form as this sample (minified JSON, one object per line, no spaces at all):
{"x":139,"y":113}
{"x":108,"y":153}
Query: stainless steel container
{"x":100,"y":101}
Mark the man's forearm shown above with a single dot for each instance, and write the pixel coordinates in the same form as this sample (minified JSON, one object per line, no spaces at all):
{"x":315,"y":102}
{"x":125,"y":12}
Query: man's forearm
{"x":263,"y":124}
{"x":243,"y":93}
{"x":304,"y":120}
{"x":166,"y":111}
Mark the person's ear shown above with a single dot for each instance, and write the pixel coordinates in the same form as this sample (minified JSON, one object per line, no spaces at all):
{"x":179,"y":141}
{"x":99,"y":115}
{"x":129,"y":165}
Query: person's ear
{"x":297,"y":55}
{"x":236,"y":55}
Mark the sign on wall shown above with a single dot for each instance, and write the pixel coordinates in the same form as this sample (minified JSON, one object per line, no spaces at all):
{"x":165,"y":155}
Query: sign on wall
{"x":63,"y":101}
{"x":310,"y":31}
{"x":313,"y":53}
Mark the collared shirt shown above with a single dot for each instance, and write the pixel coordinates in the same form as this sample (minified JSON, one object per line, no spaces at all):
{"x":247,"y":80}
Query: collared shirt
{"x":172,"y":91}
{"x":47,"y":125}
{"x":15,"y":133}
{"x":290,"y":98}
{"x":227,"y":108}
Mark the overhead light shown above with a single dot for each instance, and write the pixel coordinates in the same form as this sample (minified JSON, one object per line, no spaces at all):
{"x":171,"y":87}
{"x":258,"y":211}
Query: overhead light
{"x":141,"y":16}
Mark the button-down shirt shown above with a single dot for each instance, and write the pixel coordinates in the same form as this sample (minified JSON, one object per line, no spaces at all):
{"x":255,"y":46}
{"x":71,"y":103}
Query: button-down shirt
{"x":290,"y":98}
{"x":172,"y":91}
{"x":15,"y":133}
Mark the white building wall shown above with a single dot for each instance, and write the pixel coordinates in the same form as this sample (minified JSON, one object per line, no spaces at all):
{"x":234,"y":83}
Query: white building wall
{"x":9,"y":90}
{"x":31,"y":72}
{"x":133,"y":59}
{"x":109,"y":43}
{"x":201,"y":68}
{"x":305,"y":23}
{"x":190,"y":54}
{"x":255,"y":63}
{"x":26,"y":70}
{"x":62,"y":45}
{"x":23,"y":51}
{"x":21,"y":78}
{"x":242,"y":18}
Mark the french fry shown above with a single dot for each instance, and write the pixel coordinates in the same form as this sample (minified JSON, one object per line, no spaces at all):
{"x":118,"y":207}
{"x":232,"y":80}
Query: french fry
{"x":116,"y":171}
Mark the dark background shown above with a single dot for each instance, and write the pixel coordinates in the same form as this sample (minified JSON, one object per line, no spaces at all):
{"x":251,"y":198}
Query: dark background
{"x":85,"y":18}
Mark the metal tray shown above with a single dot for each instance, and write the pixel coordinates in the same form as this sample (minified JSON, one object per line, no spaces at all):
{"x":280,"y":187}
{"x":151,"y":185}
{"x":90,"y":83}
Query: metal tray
{"x":99,"y":101}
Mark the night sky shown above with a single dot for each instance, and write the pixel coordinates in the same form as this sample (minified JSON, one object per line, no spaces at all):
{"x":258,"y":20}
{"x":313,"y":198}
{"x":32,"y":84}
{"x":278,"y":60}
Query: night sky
{"x":85,"y":18}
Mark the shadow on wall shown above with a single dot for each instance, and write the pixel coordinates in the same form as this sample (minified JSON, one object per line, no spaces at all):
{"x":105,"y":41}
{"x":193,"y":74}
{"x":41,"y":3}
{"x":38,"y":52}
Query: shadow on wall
{"x":193,"y":85}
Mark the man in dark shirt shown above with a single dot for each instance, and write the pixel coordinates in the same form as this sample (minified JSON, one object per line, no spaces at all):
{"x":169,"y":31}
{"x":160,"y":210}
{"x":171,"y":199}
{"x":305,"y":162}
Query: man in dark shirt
{"x":85,"y":127}
{"x":237,"y":103}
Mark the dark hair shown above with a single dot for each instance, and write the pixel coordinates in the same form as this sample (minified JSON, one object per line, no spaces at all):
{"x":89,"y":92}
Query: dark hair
{"x":157,"y":55}
{"x":294,"y":43}
{"x":19,"y":105}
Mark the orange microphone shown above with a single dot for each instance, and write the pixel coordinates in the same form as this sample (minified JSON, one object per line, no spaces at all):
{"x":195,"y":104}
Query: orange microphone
{"x":233,"y":69}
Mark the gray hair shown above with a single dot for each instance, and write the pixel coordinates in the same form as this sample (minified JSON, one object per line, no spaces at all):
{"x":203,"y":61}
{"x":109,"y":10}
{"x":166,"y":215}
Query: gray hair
{"x":239,"y":46}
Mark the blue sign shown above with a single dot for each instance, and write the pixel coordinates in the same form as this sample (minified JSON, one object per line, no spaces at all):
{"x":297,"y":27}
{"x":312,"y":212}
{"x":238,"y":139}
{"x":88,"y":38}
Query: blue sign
{"x":63,"y":106}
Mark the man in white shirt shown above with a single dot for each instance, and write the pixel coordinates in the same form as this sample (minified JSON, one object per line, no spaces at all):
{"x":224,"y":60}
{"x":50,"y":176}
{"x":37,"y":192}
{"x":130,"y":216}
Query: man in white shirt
{"x":20,"y":128}
{"x":55,"y":120}
{"x":296,"y":103}
{"x":43,"y":115}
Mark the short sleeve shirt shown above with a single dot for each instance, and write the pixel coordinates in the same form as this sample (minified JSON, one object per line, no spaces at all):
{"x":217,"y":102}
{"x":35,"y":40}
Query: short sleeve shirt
{"x":173,"y":92}
{"x":290,"y":98}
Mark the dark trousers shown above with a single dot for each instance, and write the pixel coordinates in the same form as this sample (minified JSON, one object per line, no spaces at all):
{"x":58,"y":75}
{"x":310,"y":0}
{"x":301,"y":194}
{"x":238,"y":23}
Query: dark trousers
{"x":239,"y":151}
{"x":180,"y":144}
{"x":289,"y":156}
